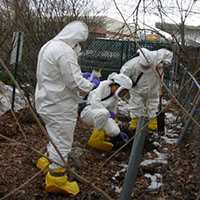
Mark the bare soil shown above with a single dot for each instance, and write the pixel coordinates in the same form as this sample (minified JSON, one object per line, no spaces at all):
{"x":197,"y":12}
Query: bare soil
{"x":17,"y":165}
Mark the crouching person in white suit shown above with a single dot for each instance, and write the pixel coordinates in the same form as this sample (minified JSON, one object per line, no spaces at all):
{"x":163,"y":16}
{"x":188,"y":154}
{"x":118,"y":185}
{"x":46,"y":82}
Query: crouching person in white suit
{"x":146,"y":72}
{"x":101,"y":111}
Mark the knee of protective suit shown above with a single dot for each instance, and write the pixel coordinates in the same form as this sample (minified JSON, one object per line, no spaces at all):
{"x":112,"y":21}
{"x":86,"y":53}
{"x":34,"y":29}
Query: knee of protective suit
{"x":111,"y":128}
{"x":101,"y":118}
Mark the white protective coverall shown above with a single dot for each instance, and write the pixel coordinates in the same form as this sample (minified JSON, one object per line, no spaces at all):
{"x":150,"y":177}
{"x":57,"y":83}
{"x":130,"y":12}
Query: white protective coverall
{"x":97,"y":113}
{"x":145,"y":95}
{"x":59,"y":82}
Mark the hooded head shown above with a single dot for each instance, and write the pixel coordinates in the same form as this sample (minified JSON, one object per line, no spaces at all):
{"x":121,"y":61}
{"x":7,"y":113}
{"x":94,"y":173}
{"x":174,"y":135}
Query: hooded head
{"x":149,"y":58}
{"x":163,"y":57}
{"x":146,"y":58}
{"x":73,"y":33}
{"x":124,"y":82}
{"x":121,"y":79}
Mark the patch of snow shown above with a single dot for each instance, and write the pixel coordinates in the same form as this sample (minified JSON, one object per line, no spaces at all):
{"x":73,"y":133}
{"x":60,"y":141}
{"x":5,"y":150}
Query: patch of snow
{"x":172,"y":135}
{"x":155,"y":181}
{"x":160,"y":155}
{"x":118,"y":189}
{"x":161,"y":159}
{"x":165,"y":149}
{"x":169,"y":130}
{"x":124,"y":165}
{"x":113,"y":178}
{"x":122,"y":171}
{"x":169,"y":140}
{"x":6,"y":98}
{"x":151,"y":162}
{"x":157,"y":144}
{"x":117,"y":174}
{"x":172,"y":129}
{"x":179,"y":126}
{"x":170,"y":117}
{"x":124,"y":168}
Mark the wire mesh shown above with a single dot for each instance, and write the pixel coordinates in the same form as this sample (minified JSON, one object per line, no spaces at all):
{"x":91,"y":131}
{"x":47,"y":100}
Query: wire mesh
{"x":109,"y":55}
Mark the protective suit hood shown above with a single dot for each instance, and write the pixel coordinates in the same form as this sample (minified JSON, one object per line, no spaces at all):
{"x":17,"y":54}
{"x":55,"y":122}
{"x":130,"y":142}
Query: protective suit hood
{"x":124,"y":81}
{"x":146,"y":92}
{"x":163,"y":55}
{"x":121,"y":79}
{"x":154,"y":57}
{"x":73,"y":33}
{"x":146,"y":57}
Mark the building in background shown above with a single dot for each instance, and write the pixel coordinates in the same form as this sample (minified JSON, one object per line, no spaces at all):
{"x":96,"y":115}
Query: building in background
{"x":191,"y":33}
{"x":113,"y":29}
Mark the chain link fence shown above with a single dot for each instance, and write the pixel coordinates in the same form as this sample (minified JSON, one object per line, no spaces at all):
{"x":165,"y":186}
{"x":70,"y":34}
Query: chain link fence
{"x":188,"y":95}
{"x":101,"y":54}
{"x":109,"y":55}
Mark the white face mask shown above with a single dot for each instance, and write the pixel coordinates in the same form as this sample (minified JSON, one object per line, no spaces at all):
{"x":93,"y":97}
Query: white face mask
{"x":77,"y":49}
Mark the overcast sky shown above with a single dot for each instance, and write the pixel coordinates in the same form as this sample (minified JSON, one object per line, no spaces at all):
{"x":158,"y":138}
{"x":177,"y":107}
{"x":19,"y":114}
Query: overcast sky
{"x":127,"y":7}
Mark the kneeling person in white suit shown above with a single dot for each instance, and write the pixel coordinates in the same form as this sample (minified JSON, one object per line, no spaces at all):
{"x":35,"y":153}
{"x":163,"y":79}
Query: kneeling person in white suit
{"x":101,"y":111}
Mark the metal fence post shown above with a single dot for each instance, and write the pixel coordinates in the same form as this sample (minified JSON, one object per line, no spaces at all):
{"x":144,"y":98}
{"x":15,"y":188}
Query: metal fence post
{"x":134,"y":160}
{"x":188,"y":122}
{"x":15,"y":58}
{"x":122,"y":53}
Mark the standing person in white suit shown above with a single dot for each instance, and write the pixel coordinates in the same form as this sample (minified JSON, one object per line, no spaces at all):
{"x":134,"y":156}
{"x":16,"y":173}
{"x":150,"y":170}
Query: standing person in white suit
{"x":59,"y":86}
{"x":145,"y":71}
{"x":101,"y":110}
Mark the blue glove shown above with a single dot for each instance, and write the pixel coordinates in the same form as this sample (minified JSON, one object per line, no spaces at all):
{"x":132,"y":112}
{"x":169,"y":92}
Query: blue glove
{"x":95,"y":82}
{"x":124,"y":136}
{"x":92,"y":78}
{"x":112,"y":115}
{"x":86,"y":75}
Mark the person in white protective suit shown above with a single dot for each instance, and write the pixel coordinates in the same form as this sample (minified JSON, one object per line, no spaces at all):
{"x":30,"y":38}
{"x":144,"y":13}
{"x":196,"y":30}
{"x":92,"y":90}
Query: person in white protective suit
{"x":146,"y":71}
{"x":101,"y":110}
{"x":59,"y":84}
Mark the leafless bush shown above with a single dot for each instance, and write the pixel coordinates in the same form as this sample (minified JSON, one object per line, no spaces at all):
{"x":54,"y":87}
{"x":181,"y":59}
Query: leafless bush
{"x":40,"y":20}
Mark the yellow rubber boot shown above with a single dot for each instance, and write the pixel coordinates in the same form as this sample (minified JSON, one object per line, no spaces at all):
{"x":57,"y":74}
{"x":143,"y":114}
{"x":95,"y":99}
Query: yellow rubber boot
{"x":58,"y":183}
{"x":153,"y":124}
{"x":43,"y":164}
{"x":133,"y":123}
{"x":98,"y":141}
